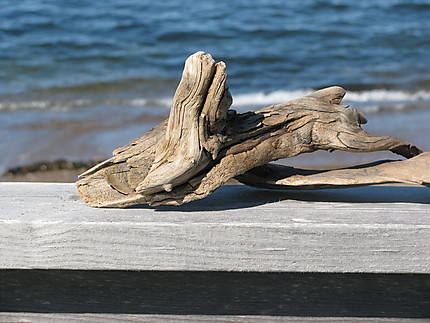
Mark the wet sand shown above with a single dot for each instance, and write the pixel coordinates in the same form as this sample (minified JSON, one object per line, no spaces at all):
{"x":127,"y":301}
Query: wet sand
{"x":57,"y":176}
{"x":59,"y":171}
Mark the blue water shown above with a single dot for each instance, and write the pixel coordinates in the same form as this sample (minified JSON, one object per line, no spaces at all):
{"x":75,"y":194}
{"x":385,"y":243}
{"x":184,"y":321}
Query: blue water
{"x":71,"y":65}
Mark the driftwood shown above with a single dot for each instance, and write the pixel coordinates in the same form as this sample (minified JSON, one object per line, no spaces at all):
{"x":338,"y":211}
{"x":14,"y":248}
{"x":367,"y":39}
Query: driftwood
{"x":203,"y":144}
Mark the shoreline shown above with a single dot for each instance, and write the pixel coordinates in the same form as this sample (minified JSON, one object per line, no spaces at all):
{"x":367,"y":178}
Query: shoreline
{"x":59,"y":171}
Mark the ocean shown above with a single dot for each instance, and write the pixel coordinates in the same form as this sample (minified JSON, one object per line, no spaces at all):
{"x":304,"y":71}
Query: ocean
{"x":79,"y":78}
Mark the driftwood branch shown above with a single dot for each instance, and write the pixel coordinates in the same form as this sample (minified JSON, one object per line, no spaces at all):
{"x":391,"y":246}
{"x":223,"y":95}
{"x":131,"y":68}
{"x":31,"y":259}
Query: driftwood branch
{"x":414,"y":171}
{"x":203,"y":144}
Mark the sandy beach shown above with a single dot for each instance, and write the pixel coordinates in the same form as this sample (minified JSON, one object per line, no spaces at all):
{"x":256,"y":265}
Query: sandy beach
{"x":58,"y":171}
{"x":57,"y":176}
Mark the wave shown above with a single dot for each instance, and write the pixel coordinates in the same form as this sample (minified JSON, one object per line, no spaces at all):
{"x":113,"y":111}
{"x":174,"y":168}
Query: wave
{"x":369,"y":100}
{"x":381,"y":95}
{"x":66,"y":105}
{"x":262,"y":98}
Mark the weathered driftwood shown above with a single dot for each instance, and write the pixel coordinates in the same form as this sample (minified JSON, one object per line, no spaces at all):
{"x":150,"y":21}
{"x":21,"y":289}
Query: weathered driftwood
{"x":203,"y":144}
{"x":415,"y":171}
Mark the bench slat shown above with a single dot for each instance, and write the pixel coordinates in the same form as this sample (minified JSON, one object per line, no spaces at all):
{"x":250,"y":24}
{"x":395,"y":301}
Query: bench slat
{"x":374,"y":229}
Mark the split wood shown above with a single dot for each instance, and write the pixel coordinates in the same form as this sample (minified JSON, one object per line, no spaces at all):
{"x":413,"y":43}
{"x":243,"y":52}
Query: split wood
{"x":203,"y":144}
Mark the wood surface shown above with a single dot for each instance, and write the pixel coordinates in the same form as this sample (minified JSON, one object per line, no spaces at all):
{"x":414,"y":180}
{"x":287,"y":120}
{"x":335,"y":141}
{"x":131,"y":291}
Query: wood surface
{"x":239,"y":255}
{"x":215,"y":293}
{"x":203,"y":144}
{"x":377,"y":229}
{"x":415,"y":171}
{"x":114,"y":318}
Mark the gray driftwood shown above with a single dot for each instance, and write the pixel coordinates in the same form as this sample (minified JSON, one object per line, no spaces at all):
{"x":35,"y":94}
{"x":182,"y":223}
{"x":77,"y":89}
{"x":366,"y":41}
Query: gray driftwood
{"x":203,"y":144}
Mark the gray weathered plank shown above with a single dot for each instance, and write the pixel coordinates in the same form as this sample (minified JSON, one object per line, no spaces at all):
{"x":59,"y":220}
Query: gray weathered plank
{"x":215,"y":293}
{"x":113,"y":318}
{"x":374,"y":229}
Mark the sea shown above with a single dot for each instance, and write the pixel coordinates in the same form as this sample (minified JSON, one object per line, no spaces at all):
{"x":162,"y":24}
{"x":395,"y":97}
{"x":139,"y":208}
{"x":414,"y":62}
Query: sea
{"x":79,"y":78}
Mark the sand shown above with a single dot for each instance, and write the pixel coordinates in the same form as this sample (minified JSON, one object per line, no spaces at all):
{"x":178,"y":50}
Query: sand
{"x":59,"y":171}
{"x":54,"y":176}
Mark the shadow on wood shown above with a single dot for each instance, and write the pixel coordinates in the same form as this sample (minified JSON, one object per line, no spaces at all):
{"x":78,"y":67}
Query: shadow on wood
{"x":215,"y":293}
{"x":235,"y":197}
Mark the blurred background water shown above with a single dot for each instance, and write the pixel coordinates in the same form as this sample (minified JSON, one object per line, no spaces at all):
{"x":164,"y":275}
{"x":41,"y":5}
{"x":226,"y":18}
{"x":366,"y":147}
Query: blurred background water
{"x":79,"y":78}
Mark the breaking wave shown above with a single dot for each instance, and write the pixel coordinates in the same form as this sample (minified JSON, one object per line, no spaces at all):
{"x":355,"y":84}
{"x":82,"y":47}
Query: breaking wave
{"x":369,"y":100}
{"x":66,"y":105}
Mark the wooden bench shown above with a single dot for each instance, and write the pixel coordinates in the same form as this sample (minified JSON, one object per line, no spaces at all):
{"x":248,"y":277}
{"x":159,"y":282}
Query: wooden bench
{"x":240,"y":255}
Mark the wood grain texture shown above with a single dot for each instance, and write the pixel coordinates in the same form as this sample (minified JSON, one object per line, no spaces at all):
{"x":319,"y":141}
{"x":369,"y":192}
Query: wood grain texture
{"x":113,"y":318}
{"x":203,"y":144}
{"x":415,"y":171}
{"x":373,"y":229}
{"x":215,"y":293}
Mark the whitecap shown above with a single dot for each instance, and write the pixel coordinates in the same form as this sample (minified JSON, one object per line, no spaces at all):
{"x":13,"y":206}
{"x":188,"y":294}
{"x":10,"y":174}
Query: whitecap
{"x":369,"y":100}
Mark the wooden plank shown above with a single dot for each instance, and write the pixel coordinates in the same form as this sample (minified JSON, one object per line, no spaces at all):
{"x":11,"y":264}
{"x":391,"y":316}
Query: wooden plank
{"x":215,"y":293}
{"x":373,"y":229}
{"x":113,"y":318}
